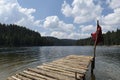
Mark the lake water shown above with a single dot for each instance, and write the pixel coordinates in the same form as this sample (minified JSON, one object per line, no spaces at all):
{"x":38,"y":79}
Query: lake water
{"x":14,"y":60}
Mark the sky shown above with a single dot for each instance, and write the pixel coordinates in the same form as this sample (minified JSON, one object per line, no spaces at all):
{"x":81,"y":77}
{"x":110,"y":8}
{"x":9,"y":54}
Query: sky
{"x":64,"y":19}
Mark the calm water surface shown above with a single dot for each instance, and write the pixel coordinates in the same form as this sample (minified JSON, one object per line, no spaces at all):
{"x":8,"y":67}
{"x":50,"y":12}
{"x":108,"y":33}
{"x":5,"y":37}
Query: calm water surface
{"x":13,"y":60}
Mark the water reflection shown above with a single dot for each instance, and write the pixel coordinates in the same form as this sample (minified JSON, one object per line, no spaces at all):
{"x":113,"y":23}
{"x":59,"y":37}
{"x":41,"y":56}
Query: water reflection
{"x":13,"y":60}
{"x":93,"y":76}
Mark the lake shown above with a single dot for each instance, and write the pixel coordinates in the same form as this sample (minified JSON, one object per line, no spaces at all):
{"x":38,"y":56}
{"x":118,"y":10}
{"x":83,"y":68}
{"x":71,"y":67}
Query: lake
{"x":16,"y":59}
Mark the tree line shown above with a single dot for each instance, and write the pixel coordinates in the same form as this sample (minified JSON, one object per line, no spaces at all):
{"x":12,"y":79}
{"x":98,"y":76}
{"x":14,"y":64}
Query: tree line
{"x":110,"y":38}
{"x":14,"y":35}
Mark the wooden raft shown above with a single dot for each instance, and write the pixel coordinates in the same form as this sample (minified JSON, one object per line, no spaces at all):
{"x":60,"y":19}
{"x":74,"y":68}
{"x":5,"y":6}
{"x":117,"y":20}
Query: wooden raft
{"x":72,"y":67}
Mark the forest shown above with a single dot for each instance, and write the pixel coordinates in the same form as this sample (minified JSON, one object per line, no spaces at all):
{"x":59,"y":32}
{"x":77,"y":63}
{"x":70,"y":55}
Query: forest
{"x":110,"y":38}
{"x":14,"y":35}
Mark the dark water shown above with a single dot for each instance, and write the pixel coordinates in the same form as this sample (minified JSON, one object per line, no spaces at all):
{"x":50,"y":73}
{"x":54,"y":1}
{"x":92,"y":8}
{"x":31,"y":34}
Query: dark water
{"x":13,"y":60}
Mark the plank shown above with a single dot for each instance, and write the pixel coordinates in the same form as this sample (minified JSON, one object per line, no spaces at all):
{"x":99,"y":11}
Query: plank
{"x":38,"y":75}
{"x":58,"y":71}
{"x":51,"y":74}
{"x":22,"y":77}
{"x":75,"y":62}
{"x":67,"y":68}
{"x":72,"y":65}
{"x":15,"y":78}
{"x":10,"y":78}
{"x":63,"y":73}
{"x":78,"y":57}
{"x":29,"y":76}
{"x":32,"y":74}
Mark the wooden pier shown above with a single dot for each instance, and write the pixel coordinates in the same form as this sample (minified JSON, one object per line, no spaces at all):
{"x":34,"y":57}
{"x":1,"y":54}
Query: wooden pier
{"x":72,"y":67}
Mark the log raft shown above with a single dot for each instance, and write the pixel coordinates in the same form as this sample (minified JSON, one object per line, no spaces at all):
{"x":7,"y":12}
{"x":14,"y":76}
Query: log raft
{"x":73,"y":67}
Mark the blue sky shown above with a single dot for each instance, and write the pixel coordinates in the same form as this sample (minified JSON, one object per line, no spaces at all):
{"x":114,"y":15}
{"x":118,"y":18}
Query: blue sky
{"x":70,"y":19}
{"x":45,"y":8}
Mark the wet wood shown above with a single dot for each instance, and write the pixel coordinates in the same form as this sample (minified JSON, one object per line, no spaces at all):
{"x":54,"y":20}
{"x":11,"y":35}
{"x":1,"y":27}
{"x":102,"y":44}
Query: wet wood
{"x":68,"y":68}
{"x":11,"y":78}
{"x":22,"y":77}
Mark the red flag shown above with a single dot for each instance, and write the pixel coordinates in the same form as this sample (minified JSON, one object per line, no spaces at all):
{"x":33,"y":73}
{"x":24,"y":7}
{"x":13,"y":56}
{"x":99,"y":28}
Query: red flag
{"x":97,"y":36}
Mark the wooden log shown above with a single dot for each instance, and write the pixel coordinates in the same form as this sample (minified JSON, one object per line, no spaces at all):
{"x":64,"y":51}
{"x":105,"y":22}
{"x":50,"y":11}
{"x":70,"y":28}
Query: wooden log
{"x":10,"y":78}
{"x":86,"y":62}
{"x":38,"y":75}
{"x":15,"y":78}
{"x":78,"y":57}
{"x":76,"y":60}
{"x":67,"y":68}
{"x":72,"y":65}
{"x":51,"y":74}
{"x":73,"y":60}
{"x":22,"y":77}
{"x":29,"y":76}
{"x":57,"y":71}
{"x":32,"y":74}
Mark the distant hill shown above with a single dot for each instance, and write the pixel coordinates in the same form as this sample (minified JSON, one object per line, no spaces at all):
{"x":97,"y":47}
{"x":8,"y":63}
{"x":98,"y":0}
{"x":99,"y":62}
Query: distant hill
{"x":61,"y":42}
{"x":68,"y":42}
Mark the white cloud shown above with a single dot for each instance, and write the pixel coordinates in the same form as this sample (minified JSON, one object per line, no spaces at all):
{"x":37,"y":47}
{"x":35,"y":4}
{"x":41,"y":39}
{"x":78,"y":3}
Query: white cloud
{"x":59,"y":29}
{"x":82,"y":10}
{"x":51,"y":22}
{"x":59,"y":34}
{"x":114,"y":4}
{"x":77,"y":35}
{"x":66,"y":9}
{"x":54,"y":24}
{"x":85,"y":35}
{"x":12,"y":13}
{"x":87,"y":29}
{"x":74,"y":34}
{"x":111,"y":21}
{"x":64,"y":35}
{"x":106,"y":28}
{"x":113,"y":18}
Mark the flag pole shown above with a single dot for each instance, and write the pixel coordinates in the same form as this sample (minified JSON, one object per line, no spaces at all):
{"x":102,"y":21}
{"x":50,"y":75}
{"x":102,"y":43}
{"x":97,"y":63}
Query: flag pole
{"x":93,"y":62}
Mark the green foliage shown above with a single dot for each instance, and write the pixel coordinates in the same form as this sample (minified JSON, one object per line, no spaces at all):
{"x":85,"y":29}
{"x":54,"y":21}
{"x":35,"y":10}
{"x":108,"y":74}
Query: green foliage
{"x":87,"y":41}
{"x":110,"y":38}
{"x":14,"y":35}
